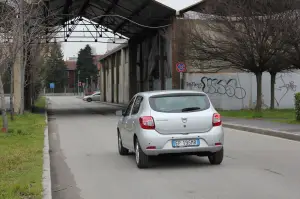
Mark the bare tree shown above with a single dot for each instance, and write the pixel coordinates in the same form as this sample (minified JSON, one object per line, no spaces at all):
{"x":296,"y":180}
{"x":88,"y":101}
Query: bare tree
{"x":243,"y":35}
{"x":7,"y":51}
{"x":22,"y":28}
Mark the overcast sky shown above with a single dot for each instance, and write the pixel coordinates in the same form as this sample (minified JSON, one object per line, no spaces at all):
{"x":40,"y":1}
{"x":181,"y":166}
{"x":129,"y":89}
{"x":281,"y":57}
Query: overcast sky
{"x":72,"y":48}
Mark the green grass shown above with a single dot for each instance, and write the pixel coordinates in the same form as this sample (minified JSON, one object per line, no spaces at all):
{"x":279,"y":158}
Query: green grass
{"x":282,"y":115}
{"x":21,"y":158}
{"x":40,"y":102}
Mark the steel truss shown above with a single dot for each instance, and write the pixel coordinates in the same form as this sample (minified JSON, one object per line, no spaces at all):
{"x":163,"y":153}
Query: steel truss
{"x":97,"y":33}
{"x":97,"y":28}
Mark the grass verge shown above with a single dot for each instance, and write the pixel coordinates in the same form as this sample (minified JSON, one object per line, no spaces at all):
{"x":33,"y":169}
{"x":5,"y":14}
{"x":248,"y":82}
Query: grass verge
{"x":39,"y":105}
{"x":282,"y":115}
{"x":21,"y":158}
{"x":40,"y":102}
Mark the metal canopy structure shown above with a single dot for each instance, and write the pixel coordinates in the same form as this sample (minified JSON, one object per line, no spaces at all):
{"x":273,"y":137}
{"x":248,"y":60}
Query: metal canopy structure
{"x":116,"y":16}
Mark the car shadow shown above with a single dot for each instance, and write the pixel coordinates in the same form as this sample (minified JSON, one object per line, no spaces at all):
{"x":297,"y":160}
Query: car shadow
{"x":176,"y":162}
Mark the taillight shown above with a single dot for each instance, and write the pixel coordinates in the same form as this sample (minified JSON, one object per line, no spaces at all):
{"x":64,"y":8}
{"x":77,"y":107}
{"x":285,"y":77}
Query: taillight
{"x":147,"y":122}
{"x":216,"y":120}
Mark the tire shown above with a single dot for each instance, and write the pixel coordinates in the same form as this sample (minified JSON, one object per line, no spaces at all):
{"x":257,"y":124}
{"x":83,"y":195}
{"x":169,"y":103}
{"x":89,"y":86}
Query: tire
{"x":122,"y":150}
{"x":141,"y":159}
{"x":89,"y":100}
{"x":216,"y":158}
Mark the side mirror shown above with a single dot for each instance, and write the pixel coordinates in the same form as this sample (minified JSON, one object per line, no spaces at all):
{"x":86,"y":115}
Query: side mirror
{"x":120,"y":112}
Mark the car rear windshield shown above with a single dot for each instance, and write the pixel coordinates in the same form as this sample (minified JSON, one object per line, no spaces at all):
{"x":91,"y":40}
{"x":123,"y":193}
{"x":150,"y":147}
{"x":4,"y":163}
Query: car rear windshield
{"x":177,"y":103}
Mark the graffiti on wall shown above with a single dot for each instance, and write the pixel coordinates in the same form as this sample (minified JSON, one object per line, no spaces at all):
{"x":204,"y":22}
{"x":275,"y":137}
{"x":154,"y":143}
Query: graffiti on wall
{"x":283,"y":88}
{"x":229,"y":87}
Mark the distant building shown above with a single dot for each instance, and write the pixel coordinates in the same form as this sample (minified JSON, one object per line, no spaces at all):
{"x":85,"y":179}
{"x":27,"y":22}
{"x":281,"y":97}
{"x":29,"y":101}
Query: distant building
{"x":71,"y":71}
{"x":72,"y":58}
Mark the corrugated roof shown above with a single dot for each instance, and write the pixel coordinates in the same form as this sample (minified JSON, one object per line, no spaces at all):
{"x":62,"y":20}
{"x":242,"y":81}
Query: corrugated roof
{"x":217,"y":6}
{"x":108,"y":53}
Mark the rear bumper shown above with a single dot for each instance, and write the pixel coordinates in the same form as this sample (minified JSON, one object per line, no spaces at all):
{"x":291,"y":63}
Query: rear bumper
{"x":163,"y":143}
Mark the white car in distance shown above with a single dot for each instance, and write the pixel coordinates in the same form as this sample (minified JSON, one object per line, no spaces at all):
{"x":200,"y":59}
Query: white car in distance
{"x":94,"y":97}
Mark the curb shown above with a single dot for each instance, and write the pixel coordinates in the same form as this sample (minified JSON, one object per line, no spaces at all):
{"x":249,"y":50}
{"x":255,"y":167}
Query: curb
{"x":47,"y":191}
{"x":113,"y":104}
{"x":264,"y":131}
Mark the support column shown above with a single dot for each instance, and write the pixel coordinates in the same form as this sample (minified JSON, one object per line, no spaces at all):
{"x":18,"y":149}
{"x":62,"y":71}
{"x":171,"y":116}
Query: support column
{"x":175,"y":57}
{"x":104,"y":73}
{"x":141,"y":68}
{"x":112,"y":68}
{"x":162,"y":63}
{"x":132,"y":68}
{"x":117,"y":61}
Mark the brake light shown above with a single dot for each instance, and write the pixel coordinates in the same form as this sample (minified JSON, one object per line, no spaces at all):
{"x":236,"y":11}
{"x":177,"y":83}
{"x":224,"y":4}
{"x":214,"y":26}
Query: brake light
{"x":147,"y":122}
{"x":216,"y":120}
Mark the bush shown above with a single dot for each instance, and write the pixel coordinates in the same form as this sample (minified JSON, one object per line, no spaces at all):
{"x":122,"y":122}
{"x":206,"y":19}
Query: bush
{"x":297,"y":106}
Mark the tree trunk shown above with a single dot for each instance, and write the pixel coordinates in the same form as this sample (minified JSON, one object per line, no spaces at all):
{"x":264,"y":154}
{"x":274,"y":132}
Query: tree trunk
{"x":273,"y":81}
{"x":11,"y":97}
{"x":259,"y":91}
{"x":3,"y":107}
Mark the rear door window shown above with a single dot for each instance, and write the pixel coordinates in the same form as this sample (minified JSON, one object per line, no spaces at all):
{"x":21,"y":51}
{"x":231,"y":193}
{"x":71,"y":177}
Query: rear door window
{"x":179,"y":102}
{"x":127,"y":112}
{"x":137,"y":105}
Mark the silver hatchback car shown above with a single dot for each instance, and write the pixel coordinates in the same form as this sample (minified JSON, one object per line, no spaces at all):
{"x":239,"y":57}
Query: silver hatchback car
{"x":170,"y":122}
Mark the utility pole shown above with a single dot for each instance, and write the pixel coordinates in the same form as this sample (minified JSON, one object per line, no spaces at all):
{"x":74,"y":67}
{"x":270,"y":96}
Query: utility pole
{"x":11,"y":97}
{"x":74,"y":87}
{"x":86,"y":85}
{"x":78,"y":73}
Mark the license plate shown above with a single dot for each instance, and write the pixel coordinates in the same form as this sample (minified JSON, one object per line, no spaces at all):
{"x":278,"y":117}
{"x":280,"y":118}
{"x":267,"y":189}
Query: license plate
{"x":185,"y":143}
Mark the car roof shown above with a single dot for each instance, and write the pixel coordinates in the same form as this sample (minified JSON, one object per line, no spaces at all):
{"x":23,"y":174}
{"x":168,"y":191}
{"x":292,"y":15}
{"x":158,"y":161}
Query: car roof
{"x":158,"y":92}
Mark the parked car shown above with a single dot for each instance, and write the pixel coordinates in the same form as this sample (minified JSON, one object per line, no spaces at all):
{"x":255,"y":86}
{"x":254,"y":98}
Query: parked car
{"x":94,"y":97}
{"x":90,"y":92}
{"x":170,"y":122}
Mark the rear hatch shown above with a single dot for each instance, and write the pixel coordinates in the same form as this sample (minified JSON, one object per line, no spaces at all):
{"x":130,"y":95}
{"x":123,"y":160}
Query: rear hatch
{"x":181,"y":113}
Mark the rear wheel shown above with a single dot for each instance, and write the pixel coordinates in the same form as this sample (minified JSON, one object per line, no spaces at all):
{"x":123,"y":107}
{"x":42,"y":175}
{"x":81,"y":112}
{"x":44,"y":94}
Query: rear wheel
{"x":142,"y":160}
{"x":217,"y":157}
{"x":89,"y":100}
{"x":122,"y":150}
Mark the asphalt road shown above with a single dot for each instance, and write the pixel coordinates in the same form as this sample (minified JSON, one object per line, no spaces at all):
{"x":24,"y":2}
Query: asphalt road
{"x":85,"y":163}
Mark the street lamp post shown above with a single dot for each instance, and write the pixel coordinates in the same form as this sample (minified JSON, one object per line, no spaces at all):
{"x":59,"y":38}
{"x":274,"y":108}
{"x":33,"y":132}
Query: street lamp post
{"x":78,"y":73}
{"x":86,"y":84}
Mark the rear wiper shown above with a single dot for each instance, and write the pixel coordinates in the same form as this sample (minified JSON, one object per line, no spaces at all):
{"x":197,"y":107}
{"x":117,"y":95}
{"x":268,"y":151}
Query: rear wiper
{"x":190,"y":109}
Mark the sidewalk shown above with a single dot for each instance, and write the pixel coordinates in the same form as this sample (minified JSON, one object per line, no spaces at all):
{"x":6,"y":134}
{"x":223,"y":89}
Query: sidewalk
{"x":282,"y":130}
{"x":276,"y":129}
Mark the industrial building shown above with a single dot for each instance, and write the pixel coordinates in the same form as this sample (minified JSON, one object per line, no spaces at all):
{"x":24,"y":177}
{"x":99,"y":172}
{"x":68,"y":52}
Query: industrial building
{"x":145,"y":64}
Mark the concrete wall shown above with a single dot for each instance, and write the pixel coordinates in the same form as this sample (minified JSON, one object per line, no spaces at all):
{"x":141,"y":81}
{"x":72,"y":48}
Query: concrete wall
{"x":112,"y":72}
{"x":108,"y":83}
{"x":234,"y":91}
{"x":124,"y":78}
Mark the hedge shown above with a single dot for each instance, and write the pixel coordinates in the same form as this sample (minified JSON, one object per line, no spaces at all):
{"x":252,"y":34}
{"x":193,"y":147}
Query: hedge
{"x":297,"y":106}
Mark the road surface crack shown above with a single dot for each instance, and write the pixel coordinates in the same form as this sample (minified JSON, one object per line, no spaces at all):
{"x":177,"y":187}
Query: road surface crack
{"x":274,"y":172}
